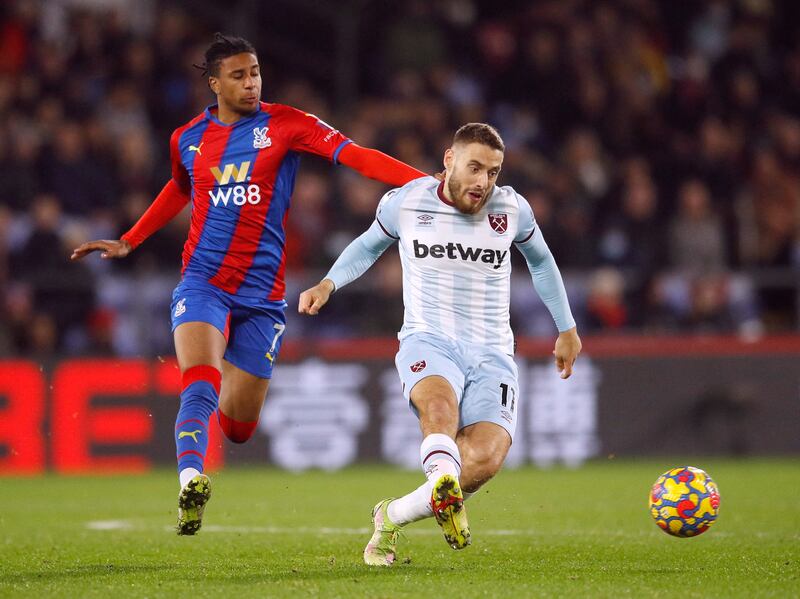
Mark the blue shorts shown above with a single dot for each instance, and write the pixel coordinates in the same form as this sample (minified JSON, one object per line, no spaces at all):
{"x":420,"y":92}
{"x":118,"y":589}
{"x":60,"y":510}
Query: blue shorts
{"x":483,"y":378}
{"x":253,"y":327}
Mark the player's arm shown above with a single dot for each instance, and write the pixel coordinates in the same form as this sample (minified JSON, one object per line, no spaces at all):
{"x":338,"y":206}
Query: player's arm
{"x":168,"y":203}
{"x":549,"y":285}
{"x":359,"y":255}
{"x":353,"y":262}
{"x":314,"y":136}
{"x":377,"y":165}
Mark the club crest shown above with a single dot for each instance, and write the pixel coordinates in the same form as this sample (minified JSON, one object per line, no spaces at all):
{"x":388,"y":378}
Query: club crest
{"x":180,"y":307}
{"x":260,"y":139}
{"x":499,"y":222}
{"x":418,"y":366}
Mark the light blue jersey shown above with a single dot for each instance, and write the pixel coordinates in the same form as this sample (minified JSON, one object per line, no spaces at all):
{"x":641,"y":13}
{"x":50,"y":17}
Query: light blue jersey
{"x":456,"y":266}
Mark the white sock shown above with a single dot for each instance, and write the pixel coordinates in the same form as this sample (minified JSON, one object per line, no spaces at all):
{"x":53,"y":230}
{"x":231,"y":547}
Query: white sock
{"x":439,"y":455}
{"x":186,"y":475}
{"x":467,"y":495}
{"x":413,"y":507}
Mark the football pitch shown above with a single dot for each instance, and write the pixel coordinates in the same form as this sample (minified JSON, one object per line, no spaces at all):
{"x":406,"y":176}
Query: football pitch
{"x":268,"y":533}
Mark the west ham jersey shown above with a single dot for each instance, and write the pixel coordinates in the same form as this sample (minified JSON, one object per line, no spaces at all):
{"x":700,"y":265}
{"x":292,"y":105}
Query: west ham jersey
{"x":456,"y":267}
{"x":241,"y":178}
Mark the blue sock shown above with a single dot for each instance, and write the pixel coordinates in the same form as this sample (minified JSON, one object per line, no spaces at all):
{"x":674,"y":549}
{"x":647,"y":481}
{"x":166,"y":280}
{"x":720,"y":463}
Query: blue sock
{"x":198,"y":402}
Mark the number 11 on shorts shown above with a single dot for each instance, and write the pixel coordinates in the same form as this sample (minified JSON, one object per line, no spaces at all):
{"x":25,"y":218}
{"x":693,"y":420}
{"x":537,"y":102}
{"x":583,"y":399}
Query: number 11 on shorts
{"x":504,"y":396}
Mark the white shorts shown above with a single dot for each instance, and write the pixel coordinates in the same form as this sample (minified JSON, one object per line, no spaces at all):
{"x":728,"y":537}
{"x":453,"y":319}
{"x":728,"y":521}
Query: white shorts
{"x":484,"y":378}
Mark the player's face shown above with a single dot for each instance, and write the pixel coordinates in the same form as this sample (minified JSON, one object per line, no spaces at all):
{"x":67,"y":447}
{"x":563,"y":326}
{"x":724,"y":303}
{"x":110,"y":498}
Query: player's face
{"x":472,"y":171}
{"x":238,"y":86}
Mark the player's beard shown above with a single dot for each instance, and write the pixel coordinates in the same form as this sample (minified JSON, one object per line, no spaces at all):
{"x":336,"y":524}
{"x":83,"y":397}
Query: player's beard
{"x":459,"y":193}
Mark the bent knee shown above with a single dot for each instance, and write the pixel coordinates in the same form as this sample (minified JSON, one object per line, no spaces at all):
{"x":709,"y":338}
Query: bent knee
{"x":234,"y":430}
{"x":436,"y":407}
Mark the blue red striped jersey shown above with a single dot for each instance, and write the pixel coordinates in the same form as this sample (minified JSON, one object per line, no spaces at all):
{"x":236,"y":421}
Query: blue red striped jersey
{"x":240,"y":178}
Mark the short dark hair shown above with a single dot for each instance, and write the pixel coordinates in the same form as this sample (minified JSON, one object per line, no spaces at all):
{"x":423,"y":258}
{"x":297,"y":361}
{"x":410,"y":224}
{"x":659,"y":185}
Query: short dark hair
{"x":479,"y":133}
{"x":221,"y":48}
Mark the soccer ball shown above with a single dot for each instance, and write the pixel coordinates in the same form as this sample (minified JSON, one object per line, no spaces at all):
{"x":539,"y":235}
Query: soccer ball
{"x":684,"y":502}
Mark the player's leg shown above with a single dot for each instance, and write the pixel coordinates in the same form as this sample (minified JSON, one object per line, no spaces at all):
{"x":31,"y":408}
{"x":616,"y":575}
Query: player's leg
{"x":483,"y":447}
{"x":432,"y":382}
{"x":199,"y":347}
{"x":199,"y":321}
{"x":488,"y":417}
{"x":253,"y":348}
{"x":240,"y":402}
{"x":437,"y":405}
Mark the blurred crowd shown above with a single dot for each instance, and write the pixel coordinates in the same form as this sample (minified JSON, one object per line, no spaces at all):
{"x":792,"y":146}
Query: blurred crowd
{"x":658,"y":143}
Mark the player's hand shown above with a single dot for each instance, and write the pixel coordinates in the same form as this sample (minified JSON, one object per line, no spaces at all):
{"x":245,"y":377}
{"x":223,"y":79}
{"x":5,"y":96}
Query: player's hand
{"x":312,"y":300}
{"x":568,"y":346}
{"x":110,"y":248}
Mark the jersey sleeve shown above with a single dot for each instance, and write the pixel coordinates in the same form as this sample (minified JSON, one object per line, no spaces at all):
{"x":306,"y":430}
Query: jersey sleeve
{"x":309,"y":134}
{"x":526,"y":223}
{"x":377,"y":165}
{"x":543,"y":269}
{"x":387,"y":215}
{"x":357,"y":257}
{"x":179,"y":173}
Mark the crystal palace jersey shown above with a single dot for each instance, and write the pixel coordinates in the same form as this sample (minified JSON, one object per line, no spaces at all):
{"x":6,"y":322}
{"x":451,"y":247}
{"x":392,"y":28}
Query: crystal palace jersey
{"x":241,"y":178}
{"x":456,"y":267}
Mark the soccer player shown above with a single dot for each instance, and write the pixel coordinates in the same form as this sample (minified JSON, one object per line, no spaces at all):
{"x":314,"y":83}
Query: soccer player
{"x":456,"y":346}
{"x":236,"y":162}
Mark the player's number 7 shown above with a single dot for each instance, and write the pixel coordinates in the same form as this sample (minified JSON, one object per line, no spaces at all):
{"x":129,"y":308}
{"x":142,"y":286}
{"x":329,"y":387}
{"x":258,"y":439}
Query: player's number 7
{"x":279,"y":328}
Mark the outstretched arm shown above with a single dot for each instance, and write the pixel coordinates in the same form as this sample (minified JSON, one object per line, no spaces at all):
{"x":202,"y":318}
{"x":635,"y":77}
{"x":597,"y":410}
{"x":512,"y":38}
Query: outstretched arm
{"x":164,"y":208}
{"x":550,"y":287}
{"x":377,"y":165}
{"x":351,"y":264}
{"x":167,"y":204}
{"x":310,"y":134}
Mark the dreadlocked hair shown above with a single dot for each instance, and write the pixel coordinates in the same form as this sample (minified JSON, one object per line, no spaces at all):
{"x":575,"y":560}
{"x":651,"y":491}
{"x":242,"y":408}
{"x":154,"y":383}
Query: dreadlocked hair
{"x":221,"y":48}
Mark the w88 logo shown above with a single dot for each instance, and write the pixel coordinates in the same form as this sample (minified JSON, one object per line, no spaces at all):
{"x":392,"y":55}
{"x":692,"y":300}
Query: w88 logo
{"x":238,"y":195}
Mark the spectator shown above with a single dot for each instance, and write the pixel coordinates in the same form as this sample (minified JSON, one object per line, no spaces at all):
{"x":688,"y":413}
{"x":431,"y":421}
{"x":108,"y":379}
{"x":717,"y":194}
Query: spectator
{"x":696,"y":235}
{"x":659,"y":144}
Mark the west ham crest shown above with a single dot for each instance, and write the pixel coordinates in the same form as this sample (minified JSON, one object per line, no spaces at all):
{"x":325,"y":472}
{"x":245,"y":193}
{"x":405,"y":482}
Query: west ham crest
{"x":418,"y":366}
{"x":499,"y":222}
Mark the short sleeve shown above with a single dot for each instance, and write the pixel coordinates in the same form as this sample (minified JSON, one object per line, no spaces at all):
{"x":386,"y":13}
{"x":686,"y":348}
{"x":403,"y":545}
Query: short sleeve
{"x":179,"y":172}
{"x":526,"y":223}
{"x":387,"y":215}
{"x":309,"y":134}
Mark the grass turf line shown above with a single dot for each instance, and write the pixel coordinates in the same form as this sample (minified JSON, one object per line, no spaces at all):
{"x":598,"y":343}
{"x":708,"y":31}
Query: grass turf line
{"x":584,"y":532}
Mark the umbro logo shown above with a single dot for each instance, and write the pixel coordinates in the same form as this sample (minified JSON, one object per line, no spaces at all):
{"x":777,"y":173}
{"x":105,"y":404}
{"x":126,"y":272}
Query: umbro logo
{"x":424,"y":220}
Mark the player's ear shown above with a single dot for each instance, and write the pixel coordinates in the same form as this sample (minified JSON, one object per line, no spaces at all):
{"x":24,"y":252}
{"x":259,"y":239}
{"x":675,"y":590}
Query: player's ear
{"x":213,"y":83}
{"x":449,"y":157}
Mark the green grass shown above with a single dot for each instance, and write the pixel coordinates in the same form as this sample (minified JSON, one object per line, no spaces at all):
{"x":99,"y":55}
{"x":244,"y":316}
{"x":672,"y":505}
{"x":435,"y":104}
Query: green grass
{"x":556,"y":533}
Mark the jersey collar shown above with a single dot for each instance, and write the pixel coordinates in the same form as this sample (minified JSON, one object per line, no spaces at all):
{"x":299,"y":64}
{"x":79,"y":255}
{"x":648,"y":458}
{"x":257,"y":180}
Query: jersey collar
{"x":442,"y":197}
{"x":211,"y":115}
